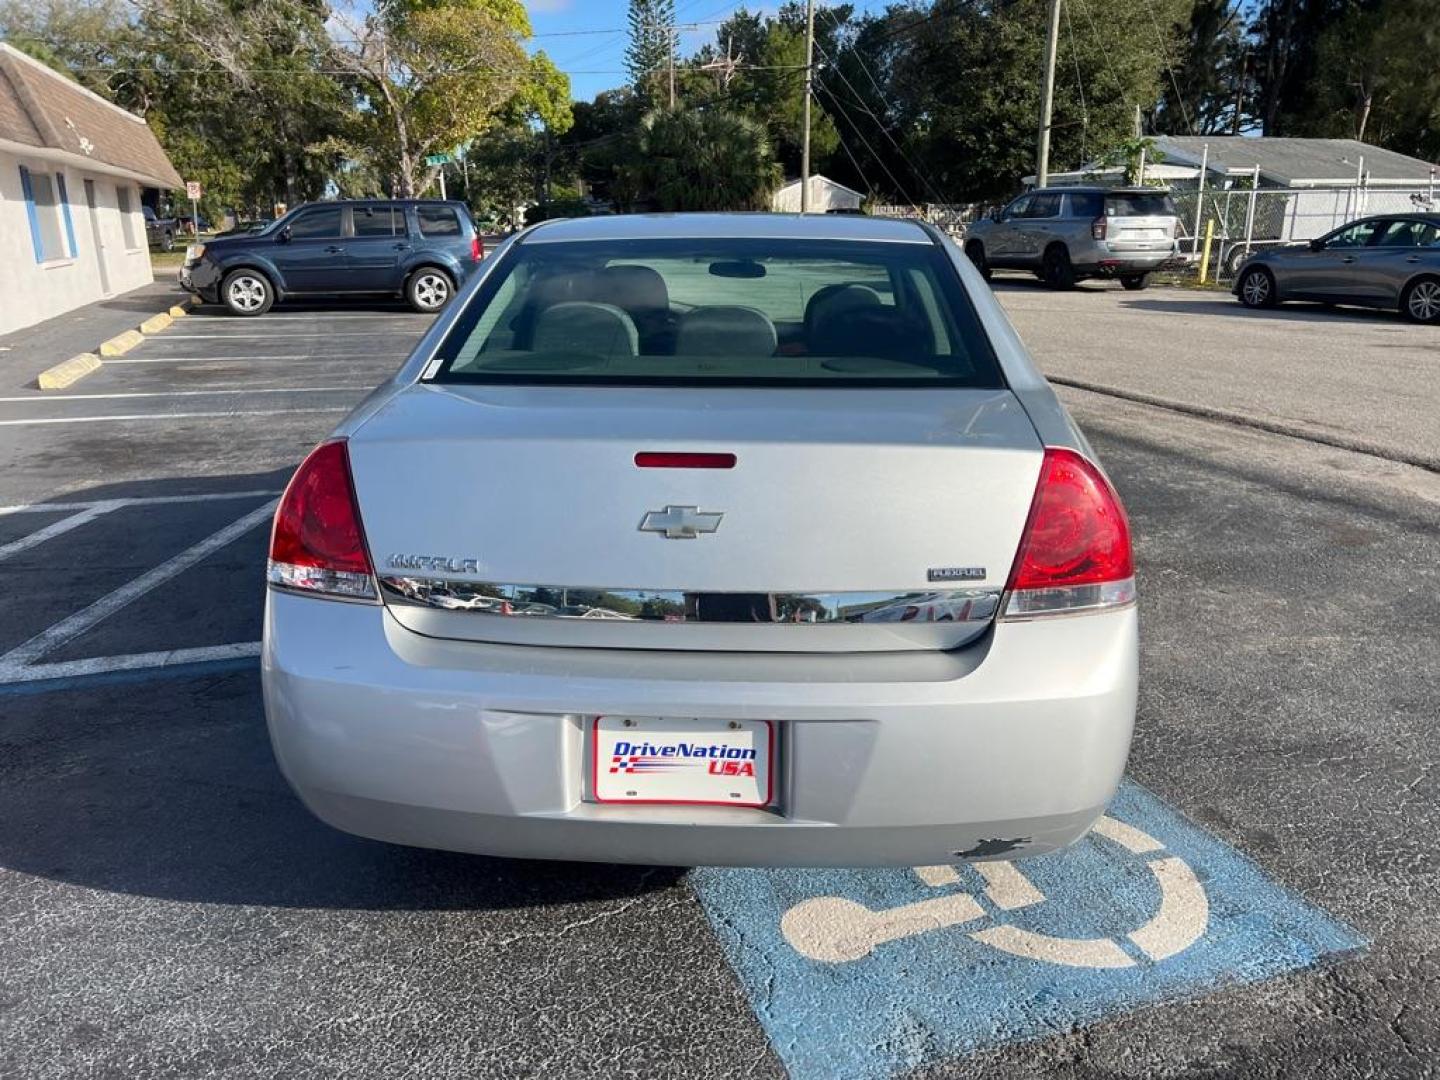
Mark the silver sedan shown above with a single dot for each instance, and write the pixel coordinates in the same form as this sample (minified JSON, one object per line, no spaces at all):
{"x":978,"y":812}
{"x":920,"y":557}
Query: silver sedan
{"x":1390,"y":262}
{"x":596,"y":574}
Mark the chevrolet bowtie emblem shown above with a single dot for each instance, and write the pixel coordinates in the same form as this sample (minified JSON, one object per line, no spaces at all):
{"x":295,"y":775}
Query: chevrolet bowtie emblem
{"x":680,"y":522}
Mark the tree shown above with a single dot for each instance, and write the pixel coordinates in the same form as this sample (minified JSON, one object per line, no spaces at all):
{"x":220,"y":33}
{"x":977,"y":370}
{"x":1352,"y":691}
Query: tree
{"x":1207,"y":94}
{"x":692,"y":159}
{"x":652,"y":45}
{"x":432,"y":74}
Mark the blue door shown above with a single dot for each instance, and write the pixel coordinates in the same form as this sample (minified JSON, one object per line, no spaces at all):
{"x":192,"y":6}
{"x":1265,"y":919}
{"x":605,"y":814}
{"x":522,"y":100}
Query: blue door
{"x":377,"y":247}
{"x":310,"y":251}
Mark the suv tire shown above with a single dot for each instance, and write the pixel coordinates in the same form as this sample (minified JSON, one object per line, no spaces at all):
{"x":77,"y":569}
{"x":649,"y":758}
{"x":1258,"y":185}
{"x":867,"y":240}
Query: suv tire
{"x":1257,"y":288}
{"x":1135,"y":282}
{"x":247,"y":292}
{"x":167,"y":241}
{"x":1420,"y":300}
{"x":976,"y":251}
{"x":1059,"y":272}
{"x":429,"y":289}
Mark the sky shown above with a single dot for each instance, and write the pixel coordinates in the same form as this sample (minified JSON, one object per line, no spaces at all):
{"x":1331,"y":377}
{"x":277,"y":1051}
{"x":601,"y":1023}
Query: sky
{"x":596,"y":61}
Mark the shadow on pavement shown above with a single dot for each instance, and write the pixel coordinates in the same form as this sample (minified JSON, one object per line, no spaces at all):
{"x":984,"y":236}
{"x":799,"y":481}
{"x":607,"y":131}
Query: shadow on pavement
{"x":336,"y":305}
{"x":162,"y":783}
{"x":1294,"y":312}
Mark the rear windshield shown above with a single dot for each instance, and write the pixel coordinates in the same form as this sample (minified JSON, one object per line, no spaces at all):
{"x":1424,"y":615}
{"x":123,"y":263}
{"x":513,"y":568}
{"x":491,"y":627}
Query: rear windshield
{"x":1137,"y":204}
{"x":718,"y":312}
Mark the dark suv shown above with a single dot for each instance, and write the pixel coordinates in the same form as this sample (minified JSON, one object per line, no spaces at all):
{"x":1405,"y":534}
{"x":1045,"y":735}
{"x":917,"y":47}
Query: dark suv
{"x":421,"y":249}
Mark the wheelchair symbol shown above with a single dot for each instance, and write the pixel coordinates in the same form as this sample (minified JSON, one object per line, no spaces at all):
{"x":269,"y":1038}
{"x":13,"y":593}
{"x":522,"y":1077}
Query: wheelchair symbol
{"x":834,"y":930}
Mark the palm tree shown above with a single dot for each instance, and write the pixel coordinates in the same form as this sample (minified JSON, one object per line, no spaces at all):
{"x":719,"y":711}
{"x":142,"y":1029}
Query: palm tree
{"x":701,"y":160}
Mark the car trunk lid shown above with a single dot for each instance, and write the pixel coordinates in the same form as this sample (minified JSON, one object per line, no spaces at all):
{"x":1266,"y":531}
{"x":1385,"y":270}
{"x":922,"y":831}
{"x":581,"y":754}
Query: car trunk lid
{"x":850,"y":520}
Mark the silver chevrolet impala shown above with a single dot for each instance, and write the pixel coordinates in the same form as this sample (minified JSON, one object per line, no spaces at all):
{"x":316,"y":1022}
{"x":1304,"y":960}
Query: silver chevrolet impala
{"x":708,"y":539}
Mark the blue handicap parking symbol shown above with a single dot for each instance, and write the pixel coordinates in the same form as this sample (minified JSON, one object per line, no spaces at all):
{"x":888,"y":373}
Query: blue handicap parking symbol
{"x":866,"y":973}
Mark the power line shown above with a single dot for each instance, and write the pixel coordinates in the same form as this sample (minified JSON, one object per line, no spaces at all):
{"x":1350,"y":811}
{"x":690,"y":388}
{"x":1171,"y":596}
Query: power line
{"x":881,"y":125}
{"x":1104,"y":52}
{"x":899,"y":187}
{"x":1169,"y":67}
{"x":1079,"y":86}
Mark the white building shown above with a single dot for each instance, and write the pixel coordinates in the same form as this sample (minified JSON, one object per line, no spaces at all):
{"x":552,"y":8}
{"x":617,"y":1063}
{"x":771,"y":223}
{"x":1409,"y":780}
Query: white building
{"x":71,"y":169}
{"x":825,"y":194}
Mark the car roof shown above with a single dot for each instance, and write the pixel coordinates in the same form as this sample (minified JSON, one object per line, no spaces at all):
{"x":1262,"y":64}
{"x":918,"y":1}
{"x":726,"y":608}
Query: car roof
{"x":706,"y":226}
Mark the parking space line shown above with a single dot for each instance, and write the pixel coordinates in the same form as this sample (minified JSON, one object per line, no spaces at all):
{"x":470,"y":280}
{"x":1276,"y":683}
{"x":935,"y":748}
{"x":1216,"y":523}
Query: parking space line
{"x":172,"y":416}
{"x":137,"y":500}
{"x":343,"y":358}
{"x":285,"y":335}
{"x":15,"y":661}
{"x":54,"y":529}
{"x":177,"y":393}
{"x":102,"y":665}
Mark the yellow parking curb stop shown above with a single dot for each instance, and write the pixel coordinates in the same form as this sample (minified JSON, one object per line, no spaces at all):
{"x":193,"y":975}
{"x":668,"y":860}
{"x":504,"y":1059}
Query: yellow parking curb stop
{"x":68,"y":371}
{"x":156,"y":323}
{"x":178,"y":312}
{"x":121,"y":343}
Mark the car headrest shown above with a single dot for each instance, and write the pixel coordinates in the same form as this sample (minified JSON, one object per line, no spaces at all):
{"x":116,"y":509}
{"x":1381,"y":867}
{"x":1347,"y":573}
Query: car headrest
{"x":871,"y":331}
{"x":634,"y":288}
{"x":725,"y":331}
{"x":832,"y":299}
{"x":582,"y":326}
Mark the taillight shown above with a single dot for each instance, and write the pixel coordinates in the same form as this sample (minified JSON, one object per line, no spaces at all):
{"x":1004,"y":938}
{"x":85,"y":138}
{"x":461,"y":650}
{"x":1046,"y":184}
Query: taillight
{"x":317,"y":544}
{"x":1098,"y":228}
{"x":1075,"y":552}
{"x":477,"y":249}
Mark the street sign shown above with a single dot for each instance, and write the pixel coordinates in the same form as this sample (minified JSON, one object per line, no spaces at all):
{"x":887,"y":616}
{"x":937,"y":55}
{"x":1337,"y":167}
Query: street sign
{"x":439,"y":159}
{"x":192,"y":189}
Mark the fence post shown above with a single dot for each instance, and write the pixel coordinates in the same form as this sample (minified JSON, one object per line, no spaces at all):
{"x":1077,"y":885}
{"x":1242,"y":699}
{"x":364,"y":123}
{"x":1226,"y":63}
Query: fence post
{"x":1250,"y":210}
{"x":1200,"y":191}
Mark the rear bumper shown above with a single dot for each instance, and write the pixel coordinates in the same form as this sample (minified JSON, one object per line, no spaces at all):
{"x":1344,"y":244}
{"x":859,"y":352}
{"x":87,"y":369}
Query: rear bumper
{"x":887,"y":759}
{"x":1123,"y":263}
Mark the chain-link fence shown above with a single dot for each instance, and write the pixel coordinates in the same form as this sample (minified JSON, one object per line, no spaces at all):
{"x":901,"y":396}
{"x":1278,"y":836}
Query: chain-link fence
{"x":1244,"y":220}
{"x":948,"y":217}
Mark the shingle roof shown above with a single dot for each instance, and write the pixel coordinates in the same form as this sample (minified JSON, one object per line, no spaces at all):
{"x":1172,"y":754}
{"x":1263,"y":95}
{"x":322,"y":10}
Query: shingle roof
{"x":43,"y":109}
{"x":1289,"y":161}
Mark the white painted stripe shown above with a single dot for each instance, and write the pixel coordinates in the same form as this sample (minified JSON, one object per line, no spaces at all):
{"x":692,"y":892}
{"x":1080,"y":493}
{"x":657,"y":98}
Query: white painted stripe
{"x":169,"y":416}
{"x":56,"y":528}
{"x":1070,"y":952}
{"x":936,"y":876}
{"x":138,"y":500}
{"x":287,"y":335}
{"x":51,"y":398}
{"x":75,"y":625}
{"x":69,"y":669}
{"x":1184,"y":911}
{"x":834,"y":930}
{"x":343,"y":359}
{"x":1127,"y":836}
{"x":1007,"y":887}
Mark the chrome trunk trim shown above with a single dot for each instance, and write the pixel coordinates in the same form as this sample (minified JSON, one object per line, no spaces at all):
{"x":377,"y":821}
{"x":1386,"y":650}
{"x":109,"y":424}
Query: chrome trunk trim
{"x":678,"y":606}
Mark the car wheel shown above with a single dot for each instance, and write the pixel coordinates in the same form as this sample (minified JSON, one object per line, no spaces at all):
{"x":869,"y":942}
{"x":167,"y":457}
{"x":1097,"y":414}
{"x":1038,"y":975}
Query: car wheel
{"x":1059,"y":272}
{"x":1135,"y":282}
{"x":1420,"y":302}
{"x":1257,"y":288}
{"x":167,"y":241}
{"x":1235,"y":258}
{"x":429,"y":289}
{"x":976,"y":251}
{"x":247,"y":292}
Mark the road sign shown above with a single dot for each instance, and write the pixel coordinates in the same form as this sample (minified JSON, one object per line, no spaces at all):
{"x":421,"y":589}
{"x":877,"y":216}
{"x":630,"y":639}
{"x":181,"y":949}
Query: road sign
{"x":192,"y":189}
{"x":439,"y":159}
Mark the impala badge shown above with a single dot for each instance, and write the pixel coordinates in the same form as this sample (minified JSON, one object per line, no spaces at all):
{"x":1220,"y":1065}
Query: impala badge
{"x":680,"y":522}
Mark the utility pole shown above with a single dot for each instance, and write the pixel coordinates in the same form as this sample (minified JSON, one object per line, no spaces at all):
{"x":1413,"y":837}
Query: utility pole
{"x":805,"y":118}
{"x":670,"y":34}
{"x":1047,"y":101}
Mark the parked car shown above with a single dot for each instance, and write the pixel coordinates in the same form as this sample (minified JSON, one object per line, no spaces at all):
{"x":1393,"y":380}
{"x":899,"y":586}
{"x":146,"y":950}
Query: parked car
{"x":160,"y":232}
{"x":1064,"y":235}
{"x":1390,"y":261}
{"x":421,"y":249}
{"x":737,"y":418}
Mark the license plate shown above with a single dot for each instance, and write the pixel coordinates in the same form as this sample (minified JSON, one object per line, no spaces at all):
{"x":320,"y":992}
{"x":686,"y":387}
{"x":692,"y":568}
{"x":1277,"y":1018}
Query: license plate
{"x":698,"y":762}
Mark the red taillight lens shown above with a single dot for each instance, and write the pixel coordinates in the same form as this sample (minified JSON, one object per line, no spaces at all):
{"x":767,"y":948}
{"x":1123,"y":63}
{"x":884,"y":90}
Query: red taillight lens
{"x":1098,"y":228}
{"x":477,"y":249}
{"x":317,"y":544}
{"x":1075,"y":553}
{"x":665,"y":459}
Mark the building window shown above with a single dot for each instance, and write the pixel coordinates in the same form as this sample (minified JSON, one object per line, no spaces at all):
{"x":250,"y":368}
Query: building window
{"x":49,"y":215}
{"x":127,"y":218}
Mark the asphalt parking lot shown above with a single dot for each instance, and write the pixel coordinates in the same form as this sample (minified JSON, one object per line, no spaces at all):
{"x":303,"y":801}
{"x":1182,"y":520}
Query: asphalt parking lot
{"x":169,"y":909}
